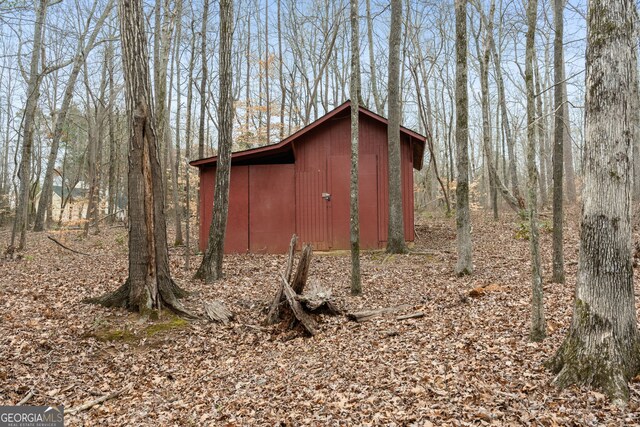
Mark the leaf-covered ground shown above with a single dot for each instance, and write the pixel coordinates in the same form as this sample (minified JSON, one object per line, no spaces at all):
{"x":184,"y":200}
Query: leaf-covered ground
{"x":466,"y":362}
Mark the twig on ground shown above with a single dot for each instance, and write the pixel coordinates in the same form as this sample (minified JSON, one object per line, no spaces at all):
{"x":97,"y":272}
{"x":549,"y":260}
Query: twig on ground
{"x":67,"y":248}
{"x":92,"y":403}
{"x":25,"y":399}
{"x":415,"y":315}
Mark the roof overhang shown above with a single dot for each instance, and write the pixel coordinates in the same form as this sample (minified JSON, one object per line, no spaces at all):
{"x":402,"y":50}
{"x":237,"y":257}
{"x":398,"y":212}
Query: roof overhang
{"x":283,"y":151}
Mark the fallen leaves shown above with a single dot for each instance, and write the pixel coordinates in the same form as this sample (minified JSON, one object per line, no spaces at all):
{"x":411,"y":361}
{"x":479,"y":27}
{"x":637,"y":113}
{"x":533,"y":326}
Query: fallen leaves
{"x":466,"y":361}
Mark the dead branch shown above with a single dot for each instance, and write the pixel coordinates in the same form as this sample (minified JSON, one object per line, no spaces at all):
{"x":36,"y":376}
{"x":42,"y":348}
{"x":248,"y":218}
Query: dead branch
{"x":92,"y":403}
{"x":67,"y":248}
{"x":300,"y":279}
{"x":416,"y":315}
{"x":363,"y":316}
{"x":217,"y":312}
{"x":299,"y":313}
{"x":25,"y":399}
{"x":274,"y":310}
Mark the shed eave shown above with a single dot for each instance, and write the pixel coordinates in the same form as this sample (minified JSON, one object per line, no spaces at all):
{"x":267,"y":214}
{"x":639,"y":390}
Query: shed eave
{"x":287,"y":143}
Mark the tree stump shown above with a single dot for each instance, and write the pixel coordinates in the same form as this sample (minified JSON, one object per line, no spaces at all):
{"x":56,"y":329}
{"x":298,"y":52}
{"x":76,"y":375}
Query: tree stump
{"x":291,"y":304}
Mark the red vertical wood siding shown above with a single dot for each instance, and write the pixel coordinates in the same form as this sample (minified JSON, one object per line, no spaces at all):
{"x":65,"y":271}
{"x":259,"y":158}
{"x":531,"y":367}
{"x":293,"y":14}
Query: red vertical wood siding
{"x":322,"y":166}
{"x":237,"y":233}
{"x":268,"y":203}
{"x":272,"y":204}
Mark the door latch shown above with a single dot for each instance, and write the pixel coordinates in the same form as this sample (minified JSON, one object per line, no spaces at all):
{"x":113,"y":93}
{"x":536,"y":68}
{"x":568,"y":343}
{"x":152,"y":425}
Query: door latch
{"x":326,"y":196}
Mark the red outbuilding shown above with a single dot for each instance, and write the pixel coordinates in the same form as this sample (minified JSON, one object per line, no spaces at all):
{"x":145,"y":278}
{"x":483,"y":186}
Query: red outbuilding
{"x":301,"y":185}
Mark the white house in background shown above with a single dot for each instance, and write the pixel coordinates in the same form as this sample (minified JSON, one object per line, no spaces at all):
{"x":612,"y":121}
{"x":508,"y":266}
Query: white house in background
{"x":75,"y":203}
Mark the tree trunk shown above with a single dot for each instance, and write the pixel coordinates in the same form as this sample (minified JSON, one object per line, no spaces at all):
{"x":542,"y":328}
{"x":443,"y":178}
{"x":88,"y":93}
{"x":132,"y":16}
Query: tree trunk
{"x":20,"y":222}
{"x":354,"y":90}
{"x":464,"y":264}
{"x":569,"y":172}
{"x":483,"y":59}
{"x":81,"y":54}
{"x":112,"y":203}
{"x":175,"y":169}
{"x":602,"y":347}
{"x":395,"y":236}
{"x":372,"y":65}
{"x":211,"y":267}
{"x":203,"y":78}
{"x":187,"y":148}
{"x":541,"y":133}
{"x":149,"y":285}
{"x":538,"y":326}
{"x":94,"y":146}
{"x":513,"y":173}
{"x":558,"y":134}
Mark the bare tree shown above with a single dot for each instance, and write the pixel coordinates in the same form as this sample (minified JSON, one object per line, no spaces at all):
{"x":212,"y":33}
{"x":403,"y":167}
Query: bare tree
{"x":203,"y":78}
{"x":34,"y":77}
{"x":538,"y":325}
{"x":558,"y":141}
{"x":149,"y":285}
{"x":211,"y":266}
{"x":82,"y":51}
{"x":463,"y":221}
{"x":602,"y":347}
{"x":395,"y":235}
{"x":354,"y":90}
{"x":372,"y":64}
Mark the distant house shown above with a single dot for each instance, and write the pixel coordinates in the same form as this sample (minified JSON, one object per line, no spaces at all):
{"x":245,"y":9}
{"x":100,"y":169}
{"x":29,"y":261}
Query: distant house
{"x":301,"y":185}
{"x":75,"y":203}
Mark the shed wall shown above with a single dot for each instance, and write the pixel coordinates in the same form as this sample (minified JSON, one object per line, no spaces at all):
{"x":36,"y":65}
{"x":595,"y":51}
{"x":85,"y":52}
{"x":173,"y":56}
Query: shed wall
{"x":261,"y":208}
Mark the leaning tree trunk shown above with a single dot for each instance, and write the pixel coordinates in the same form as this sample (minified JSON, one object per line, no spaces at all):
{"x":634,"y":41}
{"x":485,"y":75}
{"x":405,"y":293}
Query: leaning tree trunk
{"x":395,"y":234}
{"x":463,"y":220}
{"x":211,"y":266}
{"x":538,"y":326}
{"x":602,"y":347}
{"x":149,"y":285}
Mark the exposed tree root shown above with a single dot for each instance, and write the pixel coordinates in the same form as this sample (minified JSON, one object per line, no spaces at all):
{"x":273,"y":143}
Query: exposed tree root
{"x":169,"y":293}
{"x":597,"y":359}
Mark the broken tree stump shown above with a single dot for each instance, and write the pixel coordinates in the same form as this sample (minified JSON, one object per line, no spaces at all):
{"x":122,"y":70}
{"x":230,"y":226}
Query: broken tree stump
{"x":318,"y":300}
{"x":300,"y":279}
{"x":305,"y":320}
{"x":274,"y":310}
{"x":217,"y":312}
{"x":292,"y":304}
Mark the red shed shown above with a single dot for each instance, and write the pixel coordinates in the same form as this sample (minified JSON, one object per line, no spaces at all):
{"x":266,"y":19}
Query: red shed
{"x":301,"y":185}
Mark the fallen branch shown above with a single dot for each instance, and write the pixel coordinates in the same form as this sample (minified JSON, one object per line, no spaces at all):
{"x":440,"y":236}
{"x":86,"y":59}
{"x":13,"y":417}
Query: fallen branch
{"x":66,"y":247}
{"x":97,"y":401}
{"x":217,"y":312}
{"x":299,"y":313}
{"x":362,"y":316}
{"x":274,"y":311}
{"x":416,"y":315}
{"x":110,"y":215}
{"x":25,"y":399}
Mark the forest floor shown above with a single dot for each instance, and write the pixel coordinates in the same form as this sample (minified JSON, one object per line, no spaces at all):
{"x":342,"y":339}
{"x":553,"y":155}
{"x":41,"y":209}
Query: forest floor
{"x":468,"y":361}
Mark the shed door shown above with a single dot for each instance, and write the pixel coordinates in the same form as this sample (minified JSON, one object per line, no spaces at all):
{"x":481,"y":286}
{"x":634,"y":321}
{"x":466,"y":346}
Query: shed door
{"x":312,"y":208}
{"x":340,"y":195}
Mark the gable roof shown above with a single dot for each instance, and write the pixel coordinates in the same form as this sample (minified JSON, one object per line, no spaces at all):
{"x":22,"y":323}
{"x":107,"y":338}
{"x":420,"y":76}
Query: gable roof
{"x":76,"y":193}
{"x":282,"y":152}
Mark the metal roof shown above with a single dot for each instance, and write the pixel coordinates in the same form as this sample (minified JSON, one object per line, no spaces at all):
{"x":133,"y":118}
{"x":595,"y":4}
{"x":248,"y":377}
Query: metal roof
{"x":282,"y":152}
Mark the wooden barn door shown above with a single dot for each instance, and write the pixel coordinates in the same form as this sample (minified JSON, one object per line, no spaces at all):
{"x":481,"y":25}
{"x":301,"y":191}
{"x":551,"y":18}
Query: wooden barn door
{"x":312,"y":209}
{"x":339,"y":207}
